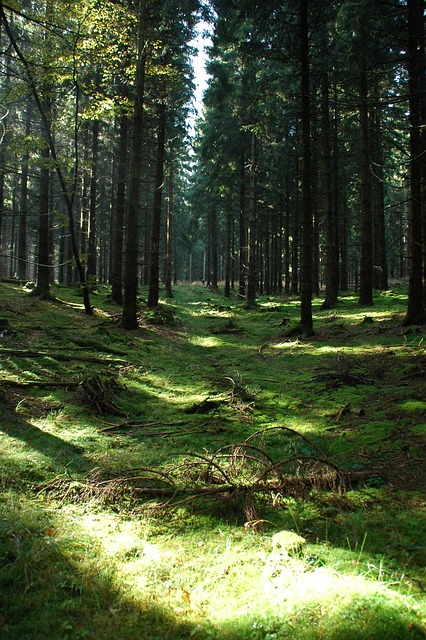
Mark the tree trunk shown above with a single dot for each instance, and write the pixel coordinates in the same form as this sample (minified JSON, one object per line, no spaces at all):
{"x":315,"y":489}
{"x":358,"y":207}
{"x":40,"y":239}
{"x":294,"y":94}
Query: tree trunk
{"x":416,"y":313}
{"x":228,"y":242}
{"x":251,"y":229}
{"x":168,"y":260}
{"x":242,"y":232}
{"x":212,"y":279}
{"x":154,"y":257}
{"x":42,"y":287}
{"x":22,"y":249}
{"x":331,"y":273}
{"x":92,"y":240}
{"x":307,"y":217}
{"x":119,"y":214}
{"x":366,"y":262}
{"x":129,"y":316}
{"x":380,"y":275}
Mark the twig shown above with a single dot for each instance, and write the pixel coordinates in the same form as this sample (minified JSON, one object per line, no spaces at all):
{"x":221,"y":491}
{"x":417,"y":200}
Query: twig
{"x":139,"y":425}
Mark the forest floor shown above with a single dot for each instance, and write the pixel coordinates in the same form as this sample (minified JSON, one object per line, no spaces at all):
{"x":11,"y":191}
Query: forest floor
{"x":211,"y":475}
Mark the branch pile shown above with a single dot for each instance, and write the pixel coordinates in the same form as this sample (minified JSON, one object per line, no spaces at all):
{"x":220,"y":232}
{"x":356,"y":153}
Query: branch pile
{"x":236,"y":476}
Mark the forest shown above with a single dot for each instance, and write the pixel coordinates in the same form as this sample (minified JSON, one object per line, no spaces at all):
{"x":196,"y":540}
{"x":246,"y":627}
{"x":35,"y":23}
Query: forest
{"x":212,"y":320}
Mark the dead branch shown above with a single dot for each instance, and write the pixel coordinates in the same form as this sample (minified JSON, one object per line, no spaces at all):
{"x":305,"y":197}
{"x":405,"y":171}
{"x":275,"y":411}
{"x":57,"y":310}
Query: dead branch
{"x":40,"y":383}
{"x":239,"y":473}
{"x":62,"y":357}
{"x":134,"y":424}
{"x":290,"y":430}
{"x":100,"y":391}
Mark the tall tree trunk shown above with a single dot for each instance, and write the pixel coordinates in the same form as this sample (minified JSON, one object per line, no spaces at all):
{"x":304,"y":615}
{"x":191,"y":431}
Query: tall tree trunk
{"x":287,"y":281}
{"x":228,"y":241}
{"x":366,"y":261}
{"x":92,"y":239}
{"x":380,"y":275}
{"x":22,"y":249}
{"x":416,"y":313}
{"x":118,"y":214}
{"x":168,"y":260}
{"x":212,"y":261}
{"x":242,"y":230}
{"x":154,"y":257}
{"x":331,"y":272}
{"x":42,"y":287}
{"x":307,"y":217}
{"x":129,"y":316}
{"x":251,"y":229}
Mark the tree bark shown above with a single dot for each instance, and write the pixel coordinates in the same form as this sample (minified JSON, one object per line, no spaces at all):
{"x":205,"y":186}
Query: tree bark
{"x":251,"y":229}
{"x":416,"y":313}
{"x":307,"y":217}
{"x":366,"y":262}
{"x":380,"y":274}
{"x":168,"y":260}
{"x":42,"y":287}
{"x":92,"y":239}
{"x":331,"y":272}
{"x":242,"y":230}
{"x":129,"y":316}
{"x":228,"y":242}
{"x":119,"y":214}
{"x":154,"y":256}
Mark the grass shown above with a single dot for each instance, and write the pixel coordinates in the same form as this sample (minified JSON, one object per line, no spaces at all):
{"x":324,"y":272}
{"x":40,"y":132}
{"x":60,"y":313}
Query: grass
{"x":78,"y":564}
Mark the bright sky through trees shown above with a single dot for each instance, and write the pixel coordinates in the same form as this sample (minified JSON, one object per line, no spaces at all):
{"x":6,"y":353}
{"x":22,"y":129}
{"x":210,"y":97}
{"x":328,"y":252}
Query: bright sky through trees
{"x":199,"y":60}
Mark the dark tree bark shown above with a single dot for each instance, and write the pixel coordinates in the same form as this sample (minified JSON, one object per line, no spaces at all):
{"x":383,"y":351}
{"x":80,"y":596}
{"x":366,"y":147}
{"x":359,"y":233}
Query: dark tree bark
{"x":22,"y":248}
{"x":119,"y":214}
{"x":366,"y":262}
{"x":168,"y":260}
{"x":242,"y":232}
{"x":92,"y":238}
{"x":331,"y":251}
{"x":154,"y":256}
{"x":129,"y":316}
{"x":42,"y":288}
{"x":212,"y":259}
{"x":416,"y":313}
{"x":307,"y":217}
{"x":251,"y":228}
{"x":380,"y":275}
{"x":228,"y":242}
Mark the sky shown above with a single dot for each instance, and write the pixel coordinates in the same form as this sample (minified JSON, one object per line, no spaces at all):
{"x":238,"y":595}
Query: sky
{"x":200,"y":42}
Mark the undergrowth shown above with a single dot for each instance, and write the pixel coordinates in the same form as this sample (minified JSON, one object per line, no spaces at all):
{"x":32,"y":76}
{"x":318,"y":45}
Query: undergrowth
{"x":103,"y":431}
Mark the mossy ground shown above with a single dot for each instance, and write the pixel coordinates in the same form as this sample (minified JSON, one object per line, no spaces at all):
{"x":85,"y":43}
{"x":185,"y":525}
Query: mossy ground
{"x":74,"y":568}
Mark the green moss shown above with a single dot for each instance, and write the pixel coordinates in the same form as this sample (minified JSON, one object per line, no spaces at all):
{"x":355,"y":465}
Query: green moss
{"x":74,"y":566}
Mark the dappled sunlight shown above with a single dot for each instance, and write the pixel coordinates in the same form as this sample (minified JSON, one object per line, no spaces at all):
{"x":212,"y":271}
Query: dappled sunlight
{"x":235,"y":581}
{"x":190,"y":408}
{"x":208,"y":342}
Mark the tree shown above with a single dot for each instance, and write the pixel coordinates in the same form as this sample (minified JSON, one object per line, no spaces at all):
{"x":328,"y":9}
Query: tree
{"x":416,"y":313}
{"x":131,"y":238}
{"x":43,"y":106}
{"x":307,"y":218}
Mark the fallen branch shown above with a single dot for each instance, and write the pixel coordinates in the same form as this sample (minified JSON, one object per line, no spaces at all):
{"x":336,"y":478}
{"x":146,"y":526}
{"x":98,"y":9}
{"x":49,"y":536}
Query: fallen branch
{"x":239,"y":472}
{"x":132,"y":424}
{"x":62,"y":357}
{"x":40,"y":383}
